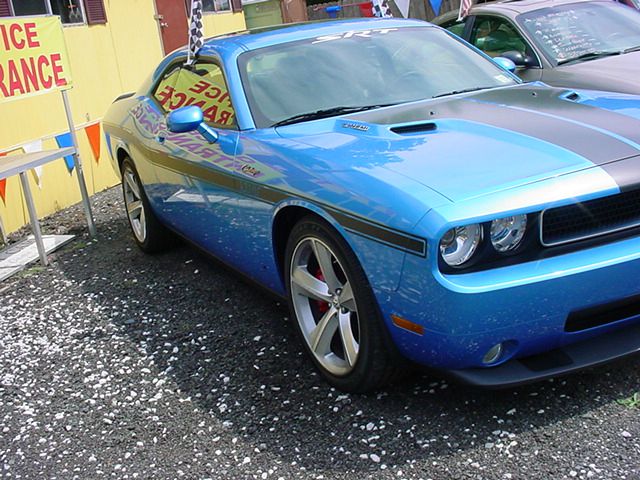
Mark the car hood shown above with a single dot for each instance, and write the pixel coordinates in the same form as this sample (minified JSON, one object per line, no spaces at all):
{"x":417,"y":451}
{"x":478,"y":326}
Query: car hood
{"x":619,"y":73}
{"x":481,"y":143}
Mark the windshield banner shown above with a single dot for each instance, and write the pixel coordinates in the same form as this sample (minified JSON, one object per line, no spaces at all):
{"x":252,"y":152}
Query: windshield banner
{"x":33,"y":57}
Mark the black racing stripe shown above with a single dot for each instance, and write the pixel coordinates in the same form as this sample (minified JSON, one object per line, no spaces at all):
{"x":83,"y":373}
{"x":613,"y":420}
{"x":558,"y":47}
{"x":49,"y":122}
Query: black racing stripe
{"x":549,"y":101}
{"x":403,"y":241}
{"x":626,"y":173}
{"x":531,"y":111}
{"x":595,"y":146}
{"x":367,"y":228}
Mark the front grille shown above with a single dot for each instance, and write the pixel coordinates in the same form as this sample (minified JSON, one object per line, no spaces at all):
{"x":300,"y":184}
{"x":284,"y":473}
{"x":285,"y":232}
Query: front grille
{"x":591,"y":218}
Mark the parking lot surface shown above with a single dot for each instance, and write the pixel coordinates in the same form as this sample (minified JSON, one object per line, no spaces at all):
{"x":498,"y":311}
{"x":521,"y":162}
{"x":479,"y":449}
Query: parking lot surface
{"x":116,"y":364}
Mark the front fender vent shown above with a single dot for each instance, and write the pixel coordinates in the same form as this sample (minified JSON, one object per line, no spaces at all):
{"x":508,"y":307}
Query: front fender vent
{"x":415,"y":129}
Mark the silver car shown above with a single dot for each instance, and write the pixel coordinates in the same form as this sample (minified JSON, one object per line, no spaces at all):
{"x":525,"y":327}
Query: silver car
{"x":590,"y":44}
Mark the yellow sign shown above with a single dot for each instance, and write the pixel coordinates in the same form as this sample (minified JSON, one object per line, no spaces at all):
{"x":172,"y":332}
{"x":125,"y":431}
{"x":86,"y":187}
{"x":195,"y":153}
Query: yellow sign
{"x":33,"y":57}
{"x":205,"y":89}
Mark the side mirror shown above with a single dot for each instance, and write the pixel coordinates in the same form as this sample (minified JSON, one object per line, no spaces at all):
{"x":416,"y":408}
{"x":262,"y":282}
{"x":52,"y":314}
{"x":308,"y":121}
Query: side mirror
{"x":505,"y":63}
{"x":188,"y":119}
{"x":520,"y":60}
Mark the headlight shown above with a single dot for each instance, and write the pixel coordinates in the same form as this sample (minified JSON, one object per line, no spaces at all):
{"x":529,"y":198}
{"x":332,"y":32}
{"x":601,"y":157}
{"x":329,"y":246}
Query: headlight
{"x":507,"y":233}
{"x":459,"y":244}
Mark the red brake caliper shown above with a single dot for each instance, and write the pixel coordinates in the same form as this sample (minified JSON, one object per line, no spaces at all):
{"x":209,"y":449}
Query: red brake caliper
{"x":323,"y":307}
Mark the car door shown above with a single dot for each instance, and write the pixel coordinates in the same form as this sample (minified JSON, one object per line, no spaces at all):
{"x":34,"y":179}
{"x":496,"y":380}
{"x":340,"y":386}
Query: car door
{"x":495,"y":35}
{"x":194,"y":193}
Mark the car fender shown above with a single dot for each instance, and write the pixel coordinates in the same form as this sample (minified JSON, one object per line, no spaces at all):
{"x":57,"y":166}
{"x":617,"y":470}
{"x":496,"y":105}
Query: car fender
{"x":381,"y":263}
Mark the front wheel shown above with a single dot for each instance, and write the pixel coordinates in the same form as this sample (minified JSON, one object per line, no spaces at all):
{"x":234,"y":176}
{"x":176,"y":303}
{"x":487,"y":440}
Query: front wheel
{"x":335,"y":311}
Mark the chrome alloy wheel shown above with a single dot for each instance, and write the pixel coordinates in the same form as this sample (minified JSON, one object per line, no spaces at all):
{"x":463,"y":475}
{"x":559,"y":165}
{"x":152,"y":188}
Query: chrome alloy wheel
{"x":325,"y":307}
{"x":133,"y":204}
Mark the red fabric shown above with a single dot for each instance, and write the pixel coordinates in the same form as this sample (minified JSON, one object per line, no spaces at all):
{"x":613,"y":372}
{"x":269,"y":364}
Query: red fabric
{"x":93,"y":133}
{"x":3,"y":186}
{"x":366,"y":9}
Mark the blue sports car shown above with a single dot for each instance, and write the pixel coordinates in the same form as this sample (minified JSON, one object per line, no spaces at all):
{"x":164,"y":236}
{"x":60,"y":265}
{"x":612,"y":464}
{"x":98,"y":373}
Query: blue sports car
{"x":414,"y":201}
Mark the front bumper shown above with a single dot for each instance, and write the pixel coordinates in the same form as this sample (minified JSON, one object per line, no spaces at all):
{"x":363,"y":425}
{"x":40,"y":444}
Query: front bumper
{"x":526,"y":306}
{"x":560,"y":361}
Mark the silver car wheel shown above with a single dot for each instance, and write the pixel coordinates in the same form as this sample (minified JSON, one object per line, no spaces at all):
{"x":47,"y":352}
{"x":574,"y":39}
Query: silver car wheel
{"x":325,"y":306}
{"x":133,"y":204}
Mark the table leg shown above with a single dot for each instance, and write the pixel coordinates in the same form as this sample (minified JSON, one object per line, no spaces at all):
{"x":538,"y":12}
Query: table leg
{"x":33,"y":216}
{"x":86,"y":203}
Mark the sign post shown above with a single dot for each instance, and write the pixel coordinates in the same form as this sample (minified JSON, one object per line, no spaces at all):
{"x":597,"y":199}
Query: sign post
{"x":34,"y":61}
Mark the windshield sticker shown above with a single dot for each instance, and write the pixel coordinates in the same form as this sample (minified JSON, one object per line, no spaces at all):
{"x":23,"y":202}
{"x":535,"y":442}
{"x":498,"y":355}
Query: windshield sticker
{"x":502,"y":78}
{"x":361,"y":34}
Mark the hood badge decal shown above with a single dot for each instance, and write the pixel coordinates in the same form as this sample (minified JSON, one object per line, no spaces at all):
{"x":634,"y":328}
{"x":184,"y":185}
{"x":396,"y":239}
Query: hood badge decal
{"x":356,"y":126}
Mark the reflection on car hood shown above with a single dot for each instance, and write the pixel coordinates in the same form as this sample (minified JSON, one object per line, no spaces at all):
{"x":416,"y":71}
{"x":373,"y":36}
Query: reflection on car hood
{"x":619,"y":73}
{"x":480,"y":143}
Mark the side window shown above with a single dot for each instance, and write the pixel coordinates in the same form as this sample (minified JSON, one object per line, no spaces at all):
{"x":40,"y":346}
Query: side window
{"x":202,"y":85}
{"x":494,"y":36}
{"x":456,"y":27}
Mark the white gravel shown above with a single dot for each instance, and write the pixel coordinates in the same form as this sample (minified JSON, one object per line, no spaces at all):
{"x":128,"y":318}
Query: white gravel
{"x":114,"y":364}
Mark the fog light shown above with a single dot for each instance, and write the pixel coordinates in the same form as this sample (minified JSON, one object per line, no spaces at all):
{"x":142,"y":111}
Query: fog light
{"x":493,"y":355}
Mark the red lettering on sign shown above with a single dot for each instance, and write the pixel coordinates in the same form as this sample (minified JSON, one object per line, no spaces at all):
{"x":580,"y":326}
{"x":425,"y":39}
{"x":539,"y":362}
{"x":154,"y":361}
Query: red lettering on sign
{"x":15,"y":36}
{"x":199,"y":87}
{"x":31,"y":35}
{"x":14,"y":80}
{"x":2,"y":87}
{"x":47,"y":82}
{"x":57,"y":69}
{"x":213,"y":93}
{"x":182,"y":97}
{"x":224,"y":117}
{"x":17,"y":43}
{"x":211,"y":113}
{"x":30,"y":74}
{"x":225,"y":97}
{"x":5,"y":37}
{"x":165,"y":95}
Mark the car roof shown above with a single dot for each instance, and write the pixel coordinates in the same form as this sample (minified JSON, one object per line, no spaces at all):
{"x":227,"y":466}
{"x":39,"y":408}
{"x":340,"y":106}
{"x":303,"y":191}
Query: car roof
{"x":513,"y":7}
{"x":267,"y":36}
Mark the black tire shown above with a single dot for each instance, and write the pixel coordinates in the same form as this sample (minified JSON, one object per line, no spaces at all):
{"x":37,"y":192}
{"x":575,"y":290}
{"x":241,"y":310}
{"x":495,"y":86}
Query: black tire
{"x":154,"y":237}
{"x":377,"y":362}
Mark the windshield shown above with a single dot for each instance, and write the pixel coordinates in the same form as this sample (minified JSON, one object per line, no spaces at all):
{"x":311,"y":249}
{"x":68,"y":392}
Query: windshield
{"x":361,"y":69}
{"x":583,"y":31}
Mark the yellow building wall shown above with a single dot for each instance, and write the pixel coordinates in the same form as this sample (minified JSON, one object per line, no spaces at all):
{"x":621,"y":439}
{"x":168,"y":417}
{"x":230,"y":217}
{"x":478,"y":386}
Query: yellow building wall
{"x":219,"y":23}
{"x":106,"y":61}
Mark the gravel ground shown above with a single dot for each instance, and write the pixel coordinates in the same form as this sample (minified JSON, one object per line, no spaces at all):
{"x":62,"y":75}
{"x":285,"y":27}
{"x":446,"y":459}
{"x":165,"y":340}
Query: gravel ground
{"x":117,"y":364}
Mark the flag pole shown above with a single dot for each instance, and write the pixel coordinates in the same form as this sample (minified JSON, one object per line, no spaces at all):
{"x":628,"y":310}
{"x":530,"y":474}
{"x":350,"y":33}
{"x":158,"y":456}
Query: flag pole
{"x":196,"y":33}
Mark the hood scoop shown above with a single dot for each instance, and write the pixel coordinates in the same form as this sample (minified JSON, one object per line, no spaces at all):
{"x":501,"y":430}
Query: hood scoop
{"x":571,"y":96}
{"x":415,"y":129}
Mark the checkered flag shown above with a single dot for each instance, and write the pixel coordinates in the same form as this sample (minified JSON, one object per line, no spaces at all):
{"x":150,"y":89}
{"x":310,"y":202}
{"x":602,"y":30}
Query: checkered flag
{"x":195,"y":31}
{"x":381,"y":9}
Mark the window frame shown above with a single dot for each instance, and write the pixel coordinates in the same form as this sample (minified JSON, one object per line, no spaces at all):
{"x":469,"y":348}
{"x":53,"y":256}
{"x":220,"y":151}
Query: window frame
{"x":467,"y":25}
{"x":212,"y":12}
{"x":179,"y":63}
{"x":529,"y":50}
{"x":49,"y":12}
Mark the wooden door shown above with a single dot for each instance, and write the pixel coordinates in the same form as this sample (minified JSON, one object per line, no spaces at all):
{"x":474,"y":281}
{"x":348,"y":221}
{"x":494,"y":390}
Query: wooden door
{"x":173,"y":23}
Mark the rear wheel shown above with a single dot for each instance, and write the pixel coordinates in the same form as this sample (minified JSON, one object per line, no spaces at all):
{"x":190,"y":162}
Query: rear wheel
{"x":335,"y":311}
{"x":150,"y":235}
